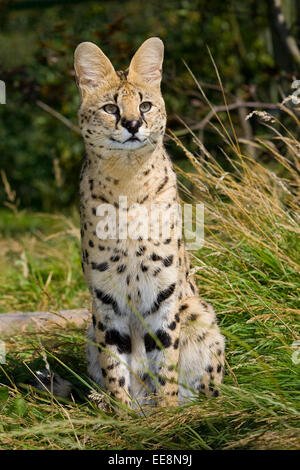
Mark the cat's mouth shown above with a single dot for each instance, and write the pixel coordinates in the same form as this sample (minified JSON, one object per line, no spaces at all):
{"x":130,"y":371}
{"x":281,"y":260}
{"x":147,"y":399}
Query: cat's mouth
{"x":133,"y":139}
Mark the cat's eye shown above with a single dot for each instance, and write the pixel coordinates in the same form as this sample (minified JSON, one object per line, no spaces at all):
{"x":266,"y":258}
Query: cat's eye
{"x":145,"y":106}
{"x":111,"y":108}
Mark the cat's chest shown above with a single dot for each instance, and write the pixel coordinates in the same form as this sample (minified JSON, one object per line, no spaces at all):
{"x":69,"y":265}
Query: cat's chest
{"x":136,"y":274}
{"x":129,"y":240}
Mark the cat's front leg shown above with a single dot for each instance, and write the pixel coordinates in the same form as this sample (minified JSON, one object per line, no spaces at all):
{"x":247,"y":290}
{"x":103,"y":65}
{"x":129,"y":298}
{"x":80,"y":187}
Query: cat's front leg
{"x":113,"y":338}
{"x":163,"y":351}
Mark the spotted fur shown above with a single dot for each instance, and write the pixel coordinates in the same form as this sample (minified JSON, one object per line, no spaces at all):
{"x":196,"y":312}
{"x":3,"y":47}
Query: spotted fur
{"x":151,"y":336}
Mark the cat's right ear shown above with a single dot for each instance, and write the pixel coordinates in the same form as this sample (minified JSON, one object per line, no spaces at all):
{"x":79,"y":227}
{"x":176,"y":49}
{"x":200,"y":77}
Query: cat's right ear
{"x":92,"y":67}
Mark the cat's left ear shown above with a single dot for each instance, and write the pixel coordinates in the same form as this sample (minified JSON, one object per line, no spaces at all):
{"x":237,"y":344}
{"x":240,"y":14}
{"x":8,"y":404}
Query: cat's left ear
{"x":146,"y":64}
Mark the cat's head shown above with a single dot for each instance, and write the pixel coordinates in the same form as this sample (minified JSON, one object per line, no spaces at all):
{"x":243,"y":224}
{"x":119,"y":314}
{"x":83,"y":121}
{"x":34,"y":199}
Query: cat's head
{"x":121,"y":111}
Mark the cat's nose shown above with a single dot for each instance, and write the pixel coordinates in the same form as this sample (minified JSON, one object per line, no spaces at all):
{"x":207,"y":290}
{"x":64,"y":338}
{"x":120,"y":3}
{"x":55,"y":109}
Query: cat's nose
{"x":132,"y":126}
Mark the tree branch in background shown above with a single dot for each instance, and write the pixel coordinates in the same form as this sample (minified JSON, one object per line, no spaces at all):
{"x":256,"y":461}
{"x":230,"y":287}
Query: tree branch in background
{"x":217,"y":109}
{"x":58,"y":116}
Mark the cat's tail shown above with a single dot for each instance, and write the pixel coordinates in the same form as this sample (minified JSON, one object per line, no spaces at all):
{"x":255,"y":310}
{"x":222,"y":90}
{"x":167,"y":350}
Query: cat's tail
{"x":56,"y":385}
{"x":51,"y":382}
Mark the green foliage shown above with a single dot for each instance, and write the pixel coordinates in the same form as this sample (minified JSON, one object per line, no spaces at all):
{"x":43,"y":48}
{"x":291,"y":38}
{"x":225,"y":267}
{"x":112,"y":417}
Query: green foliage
{"x":40,"y":156}
{"x":41,"y":256}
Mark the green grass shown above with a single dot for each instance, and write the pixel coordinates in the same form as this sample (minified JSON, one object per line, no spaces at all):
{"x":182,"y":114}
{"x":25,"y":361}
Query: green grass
{"x":40,"y":263}
{"x":248,"y":268}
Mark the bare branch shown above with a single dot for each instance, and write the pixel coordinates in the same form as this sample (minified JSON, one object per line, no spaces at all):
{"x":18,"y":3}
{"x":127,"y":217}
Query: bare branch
{"x":58,"y":116}
{"x":229,"y":107}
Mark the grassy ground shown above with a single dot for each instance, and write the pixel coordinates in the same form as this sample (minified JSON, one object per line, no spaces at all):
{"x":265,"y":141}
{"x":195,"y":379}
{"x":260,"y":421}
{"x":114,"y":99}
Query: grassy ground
{"x":248,"y":268}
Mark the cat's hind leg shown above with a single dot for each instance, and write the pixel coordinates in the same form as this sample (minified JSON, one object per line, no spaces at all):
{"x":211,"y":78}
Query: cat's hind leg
{"x":201,"y":352}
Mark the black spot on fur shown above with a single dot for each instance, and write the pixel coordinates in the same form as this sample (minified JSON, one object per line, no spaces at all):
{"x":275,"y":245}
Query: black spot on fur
{"x":200,"y":338}
{"x":176,"y":343}
{"x":193,"y":317}
{"x":162,"y":381}
{"x":144,"y":268}
{"x":121,"y":268}
{"x":192,"y":287}
{"x":122,"y":381}
{"x":108,"y":300}
{"x":150,"y":344}
{"x":183,"y":307}
{"x":172,"y":325}
{"x":168,"y":261}
{"x":164,"y":338}
{"x":123,"y":342}
{"x":140,"y":251}
{"x":160,"y":187}
{"x":101,"y":326}
{"x":155,"y":257}
{"x":144,"y":199}
{"x":100,"y":266}
{"x":163,"y":295}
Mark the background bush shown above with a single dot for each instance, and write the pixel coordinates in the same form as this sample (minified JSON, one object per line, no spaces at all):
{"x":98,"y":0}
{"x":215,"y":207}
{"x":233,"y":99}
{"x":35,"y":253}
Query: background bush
{"x":41,"y":157}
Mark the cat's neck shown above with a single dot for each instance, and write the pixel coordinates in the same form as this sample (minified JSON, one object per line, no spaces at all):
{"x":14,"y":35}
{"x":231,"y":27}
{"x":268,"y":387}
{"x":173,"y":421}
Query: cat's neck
{"x":125,"y":166}
{"x":138,"y":177}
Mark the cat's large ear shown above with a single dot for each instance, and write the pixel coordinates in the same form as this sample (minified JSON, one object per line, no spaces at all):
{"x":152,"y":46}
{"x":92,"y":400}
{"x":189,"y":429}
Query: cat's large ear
{"x":92,"y":67}
{"x":146,"y":64}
